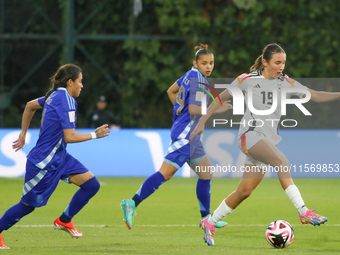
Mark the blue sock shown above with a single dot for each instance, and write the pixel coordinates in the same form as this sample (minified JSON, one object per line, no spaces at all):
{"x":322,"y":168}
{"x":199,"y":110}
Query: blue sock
{"x":80,"y":199}
{"x":203,"y":196}
{"x":14,"y":215}
{"x":149,"y":186}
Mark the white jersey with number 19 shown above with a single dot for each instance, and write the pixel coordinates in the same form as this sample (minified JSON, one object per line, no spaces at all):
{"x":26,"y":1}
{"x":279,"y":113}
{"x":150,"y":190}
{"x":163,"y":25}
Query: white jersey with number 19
{"x":263,"y":93}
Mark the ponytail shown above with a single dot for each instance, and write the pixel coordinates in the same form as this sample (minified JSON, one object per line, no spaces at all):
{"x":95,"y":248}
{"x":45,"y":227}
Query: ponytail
{"x":53,"y":88}
{"x":257,"y":65}
{"x":62,"y":76}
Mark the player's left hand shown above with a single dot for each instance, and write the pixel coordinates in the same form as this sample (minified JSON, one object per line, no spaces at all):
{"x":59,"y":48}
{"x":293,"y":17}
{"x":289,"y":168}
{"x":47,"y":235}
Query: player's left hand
{"x":225,"y":106}
{"x":102,"y":131}
{"x":197,"y":131}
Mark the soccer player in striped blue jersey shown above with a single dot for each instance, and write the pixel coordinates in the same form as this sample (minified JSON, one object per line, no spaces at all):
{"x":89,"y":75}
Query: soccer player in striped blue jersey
{"x":186,"y":96}
{"x":48,"y":162}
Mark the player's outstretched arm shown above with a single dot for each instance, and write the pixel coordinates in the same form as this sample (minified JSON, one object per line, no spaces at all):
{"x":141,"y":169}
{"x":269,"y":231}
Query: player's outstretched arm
{"x":71,"y":136}
{"x":197,"y":109}
{"x":225,"y":95}
{"x":322,"y":96}
{"x":224,"y":107}
{"x":27,"y":116}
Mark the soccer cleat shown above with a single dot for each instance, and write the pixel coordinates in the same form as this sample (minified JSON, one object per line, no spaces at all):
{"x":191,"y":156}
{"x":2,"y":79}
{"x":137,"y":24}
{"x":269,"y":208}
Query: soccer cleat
{"x":219,"y":224}
{"x":67,"y":227}
{"x":209,"y":231}
{"x":2,"y":246}
{"x":128,"y":206}
{"x":312,"y":218}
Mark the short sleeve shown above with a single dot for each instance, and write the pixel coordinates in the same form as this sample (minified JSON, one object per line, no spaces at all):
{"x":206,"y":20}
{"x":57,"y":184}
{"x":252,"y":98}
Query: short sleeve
{"x":199,"y":87}
{"x":180,"y":80}
{"x":238,"y":82}
{"x":195,"y":92}
{"x":67,"y":113}
{"x":41,"y":101}
{"x":295,"y":84}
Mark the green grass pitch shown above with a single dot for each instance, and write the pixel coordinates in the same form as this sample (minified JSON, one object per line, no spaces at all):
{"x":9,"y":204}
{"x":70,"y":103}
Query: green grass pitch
{"x":167,"y":222}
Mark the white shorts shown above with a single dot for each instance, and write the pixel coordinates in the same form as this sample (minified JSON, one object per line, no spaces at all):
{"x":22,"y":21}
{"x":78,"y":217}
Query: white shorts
{"x":248,"y":140}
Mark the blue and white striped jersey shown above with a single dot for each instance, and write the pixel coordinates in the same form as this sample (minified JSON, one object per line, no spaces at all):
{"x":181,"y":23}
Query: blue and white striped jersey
{"x":189,"y":93}
{"x":59,"y":113}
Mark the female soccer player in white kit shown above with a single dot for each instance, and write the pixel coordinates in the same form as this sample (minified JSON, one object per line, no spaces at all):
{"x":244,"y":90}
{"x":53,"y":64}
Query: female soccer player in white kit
{"x":258,"y":140}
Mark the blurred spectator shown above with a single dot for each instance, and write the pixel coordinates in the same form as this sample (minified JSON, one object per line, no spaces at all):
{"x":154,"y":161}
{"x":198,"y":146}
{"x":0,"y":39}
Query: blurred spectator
{"x":100,"y":115}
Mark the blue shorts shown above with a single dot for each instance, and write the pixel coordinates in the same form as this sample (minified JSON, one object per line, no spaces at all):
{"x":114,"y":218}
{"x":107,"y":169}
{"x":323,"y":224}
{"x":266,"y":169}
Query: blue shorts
{"x":181,"y":151}
{"x":40,"y":184}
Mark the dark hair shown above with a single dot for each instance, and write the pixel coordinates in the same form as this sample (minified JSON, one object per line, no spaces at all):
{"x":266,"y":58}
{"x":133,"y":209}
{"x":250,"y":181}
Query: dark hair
{"x":202,"y":49}
{"x":62,"y":76}
{"x":267,"y":54}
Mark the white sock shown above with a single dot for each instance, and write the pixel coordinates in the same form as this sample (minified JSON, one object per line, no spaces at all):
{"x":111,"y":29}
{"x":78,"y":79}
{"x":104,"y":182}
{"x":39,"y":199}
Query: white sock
{"x":222,"y":211}
{"x":294,"y":195}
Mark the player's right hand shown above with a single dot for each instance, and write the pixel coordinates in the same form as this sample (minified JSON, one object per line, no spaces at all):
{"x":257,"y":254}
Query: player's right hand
{"x":197,"y":131}
{"x":20,"y":142}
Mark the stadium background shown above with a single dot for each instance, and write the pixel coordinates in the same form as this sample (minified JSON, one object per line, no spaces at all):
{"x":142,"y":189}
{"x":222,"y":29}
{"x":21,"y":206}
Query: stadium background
{"x":133,"y":50}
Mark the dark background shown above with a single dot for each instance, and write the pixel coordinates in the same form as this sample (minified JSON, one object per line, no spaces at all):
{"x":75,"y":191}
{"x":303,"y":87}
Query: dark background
{"x":133,"y":59}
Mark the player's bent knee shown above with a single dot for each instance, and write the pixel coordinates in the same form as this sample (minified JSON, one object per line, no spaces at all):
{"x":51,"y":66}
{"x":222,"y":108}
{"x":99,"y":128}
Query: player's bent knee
{"x":244,"y":193}
{"x":168,"y":176}
{"x":205,"y":176}
{"x":25,"y":208}
{"x":31,"y":207}
{"x":91,"y":186}
{"x":285,"y":162}
{"x":167,"y":173}
{"x":280,"y":162}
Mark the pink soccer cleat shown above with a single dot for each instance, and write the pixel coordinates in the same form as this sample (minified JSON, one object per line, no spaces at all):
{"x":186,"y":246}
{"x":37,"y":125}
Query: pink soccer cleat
{"x":312,"y":218}
{"x":209,"y":231}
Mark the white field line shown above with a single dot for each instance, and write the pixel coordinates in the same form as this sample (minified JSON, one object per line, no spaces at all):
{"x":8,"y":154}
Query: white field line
{"x":173,"y":225}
